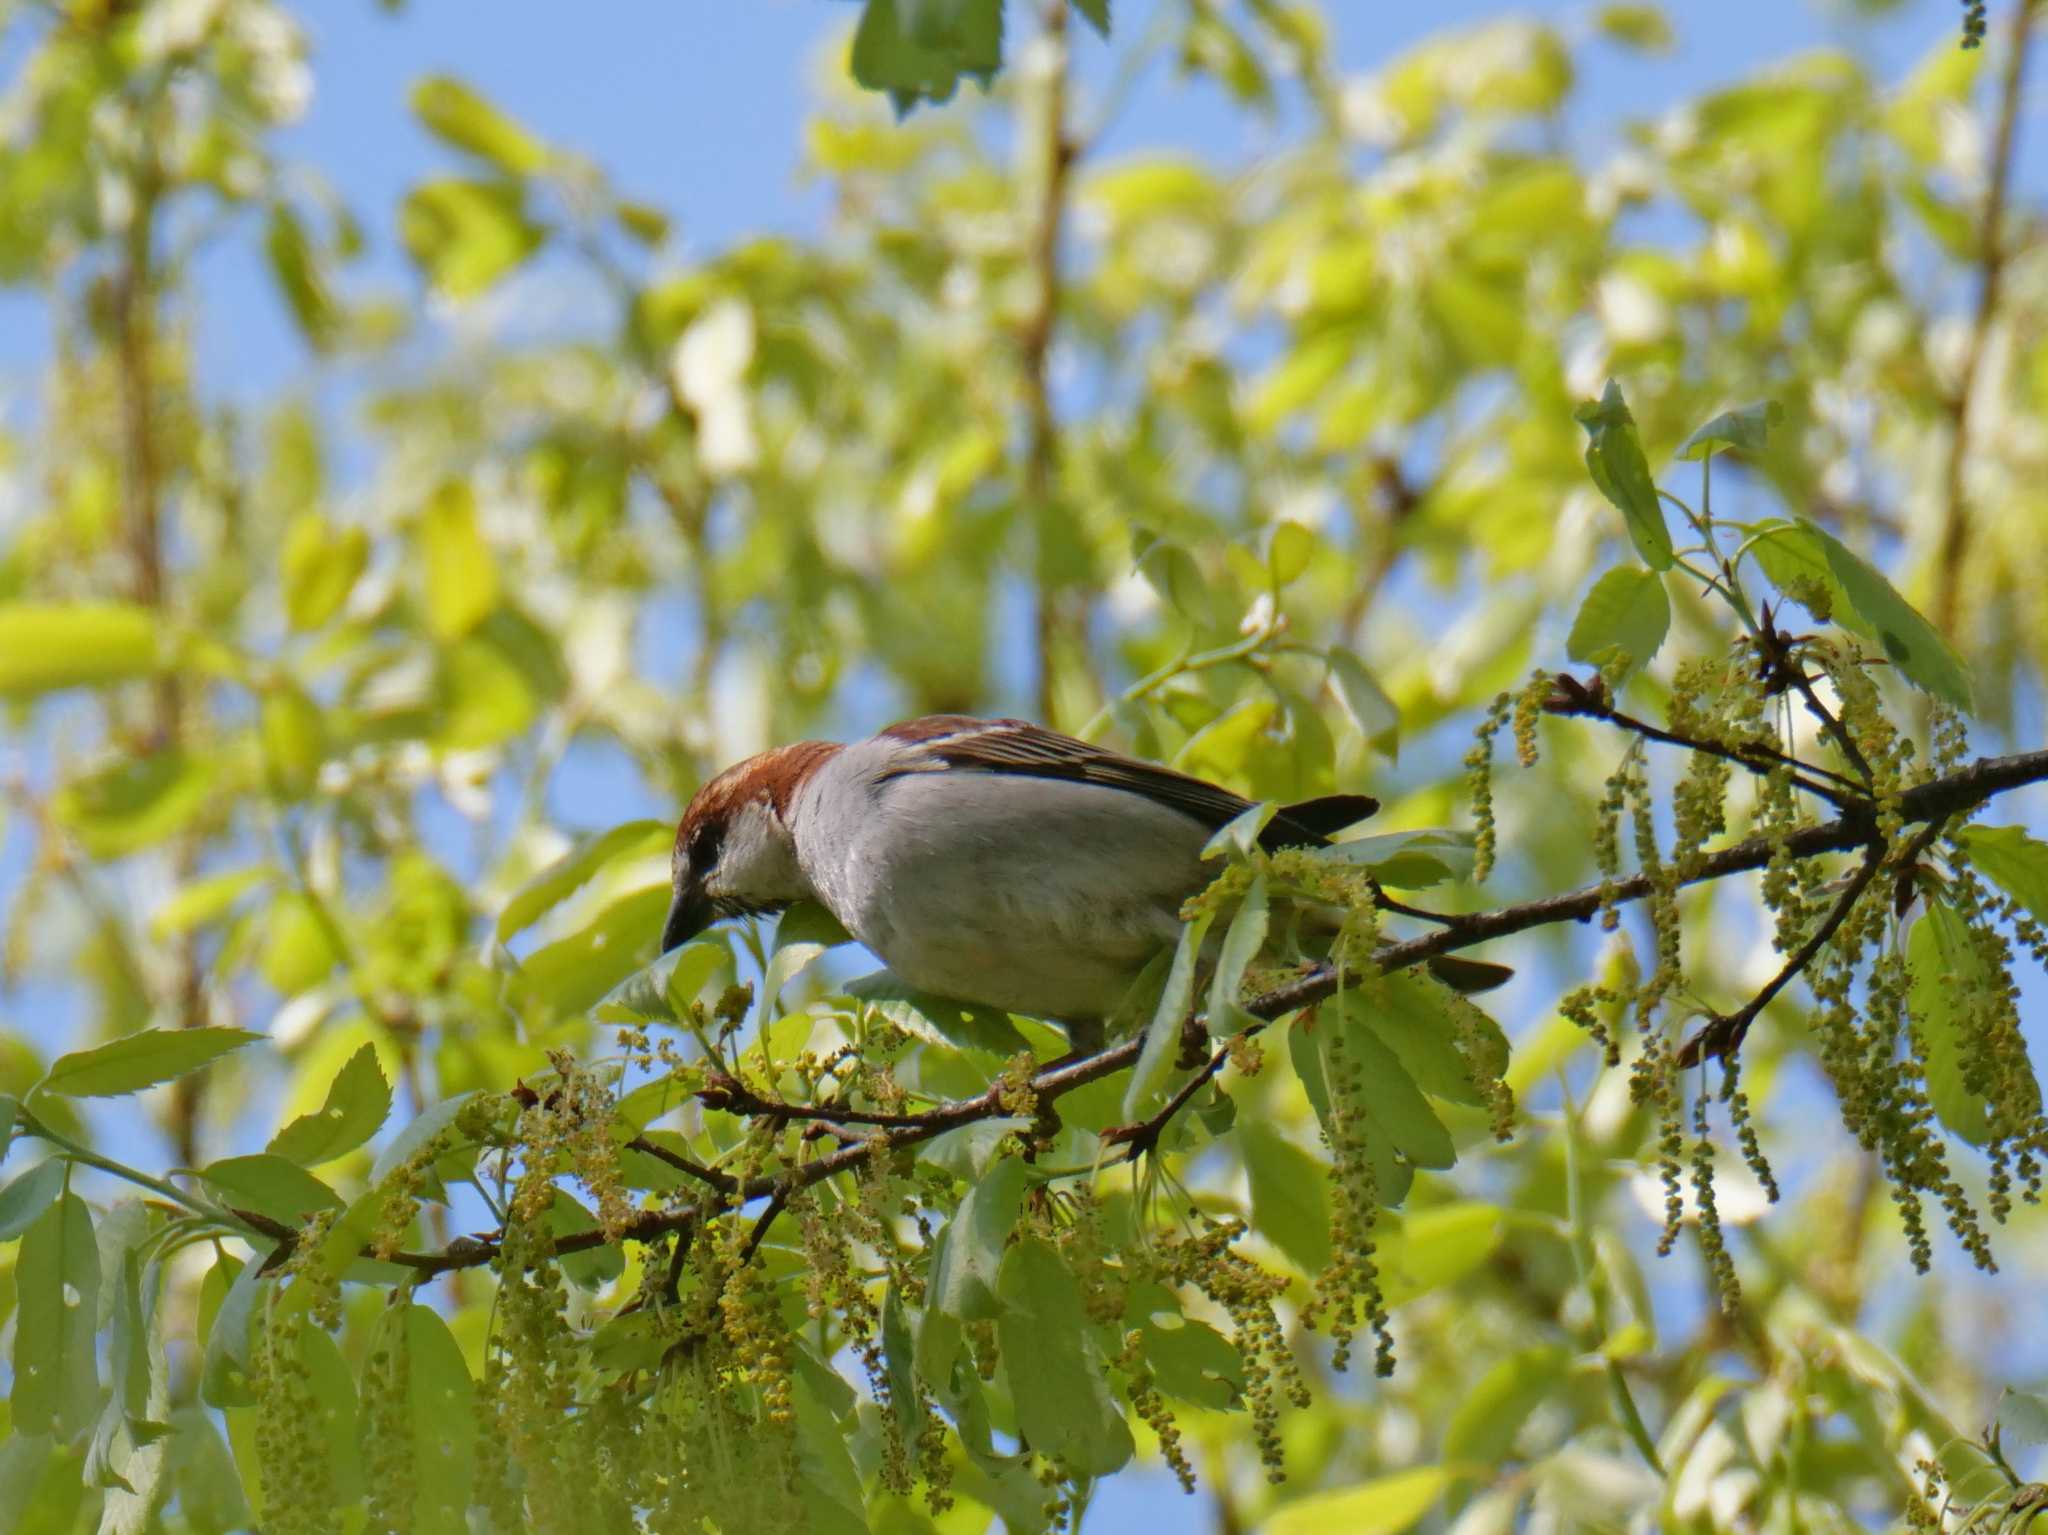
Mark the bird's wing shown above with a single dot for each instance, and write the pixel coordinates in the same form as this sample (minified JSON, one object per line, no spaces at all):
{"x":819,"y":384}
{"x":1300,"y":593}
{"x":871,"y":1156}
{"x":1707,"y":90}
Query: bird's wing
{"x":961,"y":741}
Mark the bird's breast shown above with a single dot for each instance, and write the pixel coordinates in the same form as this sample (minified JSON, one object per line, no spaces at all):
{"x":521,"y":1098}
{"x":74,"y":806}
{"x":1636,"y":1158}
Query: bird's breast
{"x":1033,"y":895}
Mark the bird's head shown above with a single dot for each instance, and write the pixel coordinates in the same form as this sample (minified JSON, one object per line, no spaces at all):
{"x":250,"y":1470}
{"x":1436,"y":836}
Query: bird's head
{"x":734,"y":852}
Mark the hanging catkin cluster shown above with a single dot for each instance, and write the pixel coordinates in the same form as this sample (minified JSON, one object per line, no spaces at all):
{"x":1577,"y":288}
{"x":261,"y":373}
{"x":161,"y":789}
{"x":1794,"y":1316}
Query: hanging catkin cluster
{"x":1883,"y":1019}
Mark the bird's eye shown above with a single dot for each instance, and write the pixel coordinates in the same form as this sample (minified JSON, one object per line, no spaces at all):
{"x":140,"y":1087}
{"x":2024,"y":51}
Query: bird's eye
{"x":703,"y":848}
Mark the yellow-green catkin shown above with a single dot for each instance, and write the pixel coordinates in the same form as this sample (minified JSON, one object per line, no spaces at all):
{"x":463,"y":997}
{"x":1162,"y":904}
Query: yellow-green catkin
{"x":1152,"y":1410}
{"x":1740,"y":1120}
{"x":1529,"y":714}
{"x":390,"y":1477}
{"x":1246,"y":1293}
{"x":1607,"y":831}
{"x":292,"y":1435}
{"x":1479,"y":784}
{"x":1348,"y":1288}
{"x":1707,"y":1212}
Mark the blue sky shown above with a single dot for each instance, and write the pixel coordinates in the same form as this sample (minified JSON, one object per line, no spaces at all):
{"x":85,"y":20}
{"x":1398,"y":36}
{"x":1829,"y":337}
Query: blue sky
{"x":697,"y":106}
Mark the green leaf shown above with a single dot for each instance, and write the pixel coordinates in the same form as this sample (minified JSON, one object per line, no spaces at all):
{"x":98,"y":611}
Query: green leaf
{"x":466,"y":235}
{"x":1810,"y":564}
{"x":2022,"y":1417}
{"x":1743,"y":431}
{"x":787,"y":962}
{"x":57,"y":1306}
{"x":356,"y":1106}
{"x":645,"y":223}
{"x":808,"y":922}
{"x":1241,"y":945}
{"x":119,"y":1453}
{"x":593,"y":1268}
{"x":828,"y":1485}
{"x":1097,"y":12}
{"x":26,"y":1197}
{"x":1644,"y":28}
{"x":134,"y":802}
{"x":631,"y":1340}
{"x":442,"y":1417}
{"x":697,"y":967}
{"x":1301,"y":376}
{"x":294,"y":737}
{"x":916,"y":50}
{"x":937,"y":1020}
{"x":1056,"y":1374}
{"x":1486,"y":1421}
{"x":1411,"y":1016}
{"x":1408,"y":860}
{"x":575,"y":869}
{"x":1240,"y":834}
{"x":1365,"y":703}
{"x":899,"y":1362}
{"x":1145,"y":1090}
{"x":1307,"y":1042}
{"x":2013,"y":861}
{"x":49,"y":645}
{"x":302,"y":277}
{"x":461,"y":574}
{"x":209,"y":1493}
{"x":203,"y":1474}
{"x":1290,"y":547}
{"x":1395,"y":1104}
{"x":320,"y":566}
{"x":574,"y":973}
{"x":964,"y":1274}
{"x":1384,"y":1506}
{"x":1947,"y":971}
{"x":298,"y":950}
{"x":1627,"y":613}
{"x":1188,"y":1359}
{"x":136,"y":1061}
{"x":457,"y":115}
{"x":966,"y":1151}
{"x":270,"y":1186}
{"x":1910,"y":641}
{"x":335,"y":1418}
{"x":1797,"y":564}
{"x":417,"y":1132}
{"x":204,"y":901}
{"x":1614,"y":457}
{"x":1433,"y":1248}
{"x":1290,"y":1194}
{"x":224,"y":1364}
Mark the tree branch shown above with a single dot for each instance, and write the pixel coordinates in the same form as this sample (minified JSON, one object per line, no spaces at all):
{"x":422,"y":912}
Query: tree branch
{"x":1955,"y":542}
{"x":1056,"y":153}
{"x":1931,"y":805}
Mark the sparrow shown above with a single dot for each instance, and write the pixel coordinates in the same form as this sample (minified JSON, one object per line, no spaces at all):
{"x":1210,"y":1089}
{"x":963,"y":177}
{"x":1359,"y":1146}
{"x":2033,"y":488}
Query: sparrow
{"x":989,"y":861}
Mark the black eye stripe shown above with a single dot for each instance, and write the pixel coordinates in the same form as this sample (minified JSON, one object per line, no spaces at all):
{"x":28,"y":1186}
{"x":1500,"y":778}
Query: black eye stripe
{"x":705,"y":844}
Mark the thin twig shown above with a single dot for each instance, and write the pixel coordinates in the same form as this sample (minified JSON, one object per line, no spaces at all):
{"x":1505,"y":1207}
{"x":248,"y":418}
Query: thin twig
{"x":1992,"y":253}
{"x":1056,"y":152}
{"x":1723,"y":1036}
{"x":723,"y":1183}
{"x":1143,"y":1136}
{"x":777,"y":1203}
{"x":1574,"y":699}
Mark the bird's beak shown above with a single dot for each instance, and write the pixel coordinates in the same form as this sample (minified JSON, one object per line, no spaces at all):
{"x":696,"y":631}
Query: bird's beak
{"x":688,"y":915}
